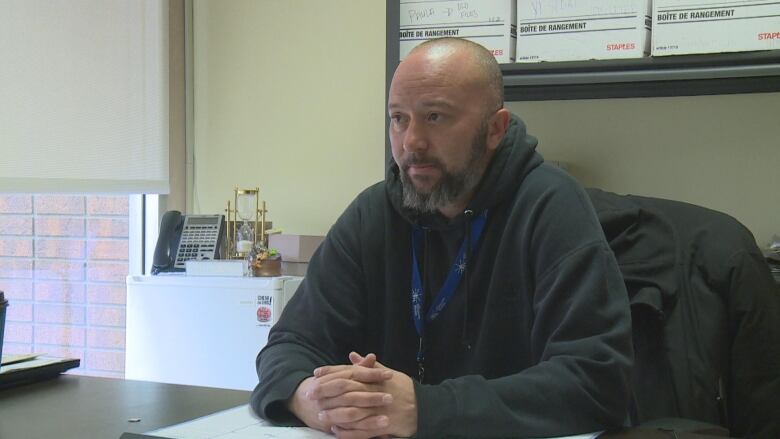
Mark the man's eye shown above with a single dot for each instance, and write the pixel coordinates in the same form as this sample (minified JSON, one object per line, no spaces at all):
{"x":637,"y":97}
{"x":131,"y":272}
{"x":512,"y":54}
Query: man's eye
{"x":433,"y":117}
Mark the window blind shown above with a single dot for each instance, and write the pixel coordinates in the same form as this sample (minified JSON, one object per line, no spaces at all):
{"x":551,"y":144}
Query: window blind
{"x":84,"y":96}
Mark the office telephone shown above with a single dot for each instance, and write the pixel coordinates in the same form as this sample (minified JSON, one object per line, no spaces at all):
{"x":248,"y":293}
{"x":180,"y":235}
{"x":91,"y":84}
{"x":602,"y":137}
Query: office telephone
{"x":186,"y":237}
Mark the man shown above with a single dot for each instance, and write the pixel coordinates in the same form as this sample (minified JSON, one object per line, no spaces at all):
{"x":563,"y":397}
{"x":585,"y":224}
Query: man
{"x":472,"y":293}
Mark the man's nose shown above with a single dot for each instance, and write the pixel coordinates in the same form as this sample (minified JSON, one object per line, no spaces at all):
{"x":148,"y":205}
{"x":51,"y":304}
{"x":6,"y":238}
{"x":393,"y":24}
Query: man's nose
{"x":415,"y":137}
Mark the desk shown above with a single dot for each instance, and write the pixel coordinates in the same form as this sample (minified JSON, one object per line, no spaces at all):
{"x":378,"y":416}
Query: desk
{"x":80,"y":407}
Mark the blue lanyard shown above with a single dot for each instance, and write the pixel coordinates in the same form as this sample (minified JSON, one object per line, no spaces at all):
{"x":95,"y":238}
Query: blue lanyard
{"x":450,"y":284}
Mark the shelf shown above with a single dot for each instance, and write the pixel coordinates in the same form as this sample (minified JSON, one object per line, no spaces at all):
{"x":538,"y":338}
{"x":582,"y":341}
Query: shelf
{"x":682,"y":75}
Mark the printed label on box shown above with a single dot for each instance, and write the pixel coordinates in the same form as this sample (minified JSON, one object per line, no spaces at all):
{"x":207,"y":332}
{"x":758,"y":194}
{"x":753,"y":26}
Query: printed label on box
{"x":490,"y":23}
{"x":691,"y":26}
{"x":580,"y":30}
{"x":265,"y":310}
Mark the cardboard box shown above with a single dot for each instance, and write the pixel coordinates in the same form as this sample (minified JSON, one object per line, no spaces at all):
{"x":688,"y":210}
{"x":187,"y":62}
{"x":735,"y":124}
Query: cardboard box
{"x":294,"y":268}
{"x":696,"y":26}
{"x":490,"y":23}
{"x":554,"y":30}
{"x":295,"y":248}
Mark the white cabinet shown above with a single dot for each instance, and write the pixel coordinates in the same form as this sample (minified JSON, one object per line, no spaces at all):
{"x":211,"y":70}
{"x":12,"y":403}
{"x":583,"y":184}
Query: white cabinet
{"x":203,"y":331}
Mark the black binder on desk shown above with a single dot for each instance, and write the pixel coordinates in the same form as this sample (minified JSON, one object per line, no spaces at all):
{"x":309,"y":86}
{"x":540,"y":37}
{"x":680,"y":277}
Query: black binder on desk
{"x":24,"y":369}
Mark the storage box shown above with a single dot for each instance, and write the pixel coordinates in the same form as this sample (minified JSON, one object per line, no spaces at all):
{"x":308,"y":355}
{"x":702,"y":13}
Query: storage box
{"x":294,"y":268}
{"x":490,"y":23}
{"x":696,"y":26}
{"x":295,"y":248}
{"x":554,"y":30}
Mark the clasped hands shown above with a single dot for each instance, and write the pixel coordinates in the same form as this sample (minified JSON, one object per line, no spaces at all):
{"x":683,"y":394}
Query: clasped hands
{"x":360,"y":400}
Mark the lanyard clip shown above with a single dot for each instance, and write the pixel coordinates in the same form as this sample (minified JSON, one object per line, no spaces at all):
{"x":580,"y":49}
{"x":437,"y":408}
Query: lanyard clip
{"x":420,"y":361}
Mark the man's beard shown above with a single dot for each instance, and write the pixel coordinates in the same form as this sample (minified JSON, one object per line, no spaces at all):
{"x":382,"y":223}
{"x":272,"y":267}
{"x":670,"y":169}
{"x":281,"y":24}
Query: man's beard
{"x":451,"y":185}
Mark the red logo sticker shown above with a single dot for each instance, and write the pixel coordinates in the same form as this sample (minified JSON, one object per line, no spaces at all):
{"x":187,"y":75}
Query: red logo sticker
{"x":264,"y":314}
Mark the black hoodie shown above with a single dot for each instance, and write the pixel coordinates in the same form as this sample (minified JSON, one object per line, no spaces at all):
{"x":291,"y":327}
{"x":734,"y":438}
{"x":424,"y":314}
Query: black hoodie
{"x":536,"y":340}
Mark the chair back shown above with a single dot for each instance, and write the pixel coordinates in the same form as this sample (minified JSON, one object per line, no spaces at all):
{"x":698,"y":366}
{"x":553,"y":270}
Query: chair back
{"x":705,"y":312}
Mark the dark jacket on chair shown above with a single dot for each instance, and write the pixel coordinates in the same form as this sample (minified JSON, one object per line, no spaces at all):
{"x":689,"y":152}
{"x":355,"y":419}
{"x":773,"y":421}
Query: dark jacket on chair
{"x":706,"y":314}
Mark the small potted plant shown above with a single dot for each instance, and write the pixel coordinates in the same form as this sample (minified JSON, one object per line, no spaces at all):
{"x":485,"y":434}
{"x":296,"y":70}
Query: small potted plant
{"x":267,"y":263}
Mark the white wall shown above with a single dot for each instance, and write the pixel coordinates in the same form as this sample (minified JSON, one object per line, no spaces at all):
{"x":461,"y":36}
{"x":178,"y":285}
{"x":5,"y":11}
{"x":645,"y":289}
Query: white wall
{"x":289,"y":96}
{"x":722,"y":152}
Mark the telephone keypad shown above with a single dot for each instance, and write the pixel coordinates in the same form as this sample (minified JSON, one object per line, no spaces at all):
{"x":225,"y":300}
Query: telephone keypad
{"x":199,"y":239}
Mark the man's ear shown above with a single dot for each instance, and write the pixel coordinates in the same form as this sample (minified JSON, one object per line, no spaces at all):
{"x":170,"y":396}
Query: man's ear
{"x":497,"y":126}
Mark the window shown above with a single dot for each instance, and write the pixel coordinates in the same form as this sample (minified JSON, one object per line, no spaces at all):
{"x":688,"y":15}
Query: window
{"x":63,"y":264}
{"x":84,"y":110}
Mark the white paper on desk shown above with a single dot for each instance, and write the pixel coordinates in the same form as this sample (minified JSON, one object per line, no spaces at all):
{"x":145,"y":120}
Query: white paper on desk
{"x":30,"y":363}
{"x":236,"y":423}
{"x":241,"y":423}
{"x":11,"y":359}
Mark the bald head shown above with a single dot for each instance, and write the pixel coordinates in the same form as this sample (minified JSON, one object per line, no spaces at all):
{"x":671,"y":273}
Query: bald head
{"x":473,"y":62}
{"x":446,"y":122}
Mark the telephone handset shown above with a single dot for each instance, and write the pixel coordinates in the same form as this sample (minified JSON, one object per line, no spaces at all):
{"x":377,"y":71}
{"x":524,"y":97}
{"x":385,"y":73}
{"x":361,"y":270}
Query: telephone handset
{"x":186,"y":237}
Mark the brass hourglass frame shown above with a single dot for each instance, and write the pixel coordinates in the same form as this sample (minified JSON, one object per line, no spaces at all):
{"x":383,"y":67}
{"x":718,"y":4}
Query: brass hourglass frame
{"x":232,"y":221}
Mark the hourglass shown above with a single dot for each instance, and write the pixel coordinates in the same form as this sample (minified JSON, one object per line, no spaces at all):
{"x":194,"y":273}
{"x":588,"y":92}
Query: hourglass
{"x":246,"y":210}
{"x":247,"y":231}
